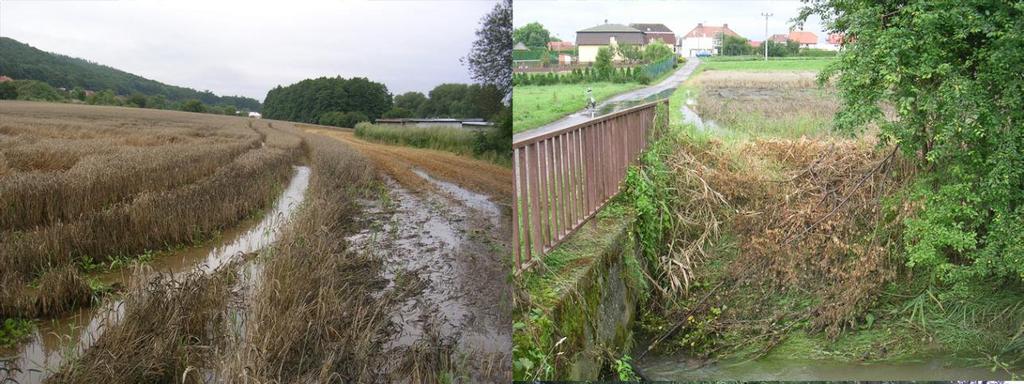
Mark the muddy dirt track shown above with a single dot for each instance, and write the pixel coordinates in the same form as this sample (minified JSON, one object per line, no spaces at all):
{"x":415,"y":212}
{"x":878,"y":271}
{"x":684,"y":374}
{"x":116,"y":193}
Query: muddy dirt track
{"x":475,"y":175}
{"x":446,"y":220}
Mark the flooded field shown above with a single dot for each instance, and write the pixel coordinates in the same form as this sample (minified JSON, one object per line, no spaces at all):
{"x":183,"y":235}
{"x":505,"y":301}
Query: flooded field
{"x":244,"y":256}
{"x":449,"y":237}
{"x":45,"y":350}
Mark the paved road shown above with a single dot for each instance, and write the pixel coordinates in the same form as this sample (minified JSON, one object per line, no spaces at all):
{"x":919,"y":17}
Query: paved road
{"x":580,"y":116}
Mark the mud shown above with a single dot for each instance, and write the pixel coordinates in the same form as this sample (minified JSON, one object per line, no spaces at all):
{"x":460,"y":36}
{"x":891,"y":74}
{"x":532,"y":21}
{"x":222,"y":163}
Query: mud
{"x":452,"y":239}
{"x":35,"y":359}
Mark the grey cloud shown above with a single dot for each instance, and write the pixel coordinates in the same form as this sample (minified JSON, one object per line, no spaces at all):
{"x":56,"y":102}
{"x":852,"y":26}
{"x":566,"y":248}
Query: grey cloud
{"x":250,"y":47}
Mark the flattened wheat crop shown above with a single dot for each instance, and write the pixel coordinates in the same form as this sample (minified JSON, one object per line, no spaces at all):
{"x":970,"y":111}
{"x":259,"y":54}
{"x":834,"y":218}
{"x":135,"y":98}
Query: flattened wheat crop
{"x":83,"y":183}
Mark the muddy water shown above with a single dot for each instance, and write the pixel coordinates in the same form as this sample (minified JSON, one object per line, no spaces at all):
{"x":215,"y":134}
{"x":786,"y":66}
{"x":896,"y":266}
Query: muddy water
{"x":780,"y":369}
{"x":42,"y":354}
{"x":451,"y":239}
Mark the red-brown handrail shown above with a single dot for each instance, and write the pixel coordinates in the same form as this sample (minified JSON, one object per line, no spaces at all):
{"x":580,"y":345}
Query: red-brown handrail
{"x":563,"y":178}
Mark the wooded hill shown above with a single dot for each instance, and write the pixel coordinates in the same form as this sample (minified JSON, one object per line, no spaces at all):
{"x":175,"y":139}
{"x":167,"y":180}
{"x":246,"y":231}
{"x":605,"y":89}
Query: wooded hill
{"x":22,"y":61}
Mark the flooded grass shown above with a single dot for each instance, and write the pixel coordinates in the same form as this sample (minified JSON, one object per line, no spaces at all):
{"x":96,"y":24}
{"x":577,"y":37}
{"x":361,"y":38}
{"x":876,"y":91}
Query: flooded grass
{"x":765,"y":104}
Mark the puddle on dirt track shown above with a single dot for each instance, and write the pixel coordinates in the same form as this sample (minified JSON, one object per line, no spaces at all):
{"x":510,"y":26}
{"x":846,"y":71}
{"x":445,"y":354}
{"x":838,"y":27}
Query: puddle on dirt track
{"x":451,"y":240}
{"x":773,"y":369}
{"x":42,"y":354}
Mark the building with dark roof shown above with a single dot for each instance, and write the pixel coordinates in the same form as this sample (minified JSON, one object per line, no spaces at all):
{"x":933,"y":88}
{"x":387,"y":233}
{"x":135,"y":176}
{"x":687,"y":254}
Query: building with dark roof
{"x":589,"y":40}
{"x":657,"y":33}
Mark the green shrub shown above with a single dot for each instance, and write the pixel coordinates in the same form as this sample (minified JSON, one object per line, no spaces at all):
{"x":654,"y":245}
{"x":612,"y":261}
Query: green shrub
{"x":36,"y":90}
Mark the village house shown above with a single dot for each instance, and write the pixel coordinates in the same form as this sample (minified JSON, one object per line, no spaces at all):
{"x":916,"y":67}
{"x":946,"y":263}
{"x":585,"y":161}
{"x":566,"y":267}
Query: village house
{"x":4,"y":79}
{"x":833,"y":42}
{"x":590,"y":40}
{"x":561,"y":46}
{"x":657,"y":33}
{"x":805,"y":39}
{"x":703,"y":40}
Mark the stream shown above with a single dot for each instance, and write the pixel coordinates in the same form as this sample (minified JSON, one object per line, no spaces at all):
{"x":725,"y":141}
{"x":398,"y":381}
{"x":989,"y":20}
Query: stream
{"x":771,"y":368}
{"x":36,"y":358}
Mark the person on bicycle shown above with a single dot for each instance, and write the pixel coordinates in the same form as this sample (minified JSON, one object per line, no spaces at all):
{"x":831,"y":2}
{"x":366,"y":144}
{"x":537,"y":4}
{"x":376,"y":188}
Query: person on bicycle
{"x":591,"y":103}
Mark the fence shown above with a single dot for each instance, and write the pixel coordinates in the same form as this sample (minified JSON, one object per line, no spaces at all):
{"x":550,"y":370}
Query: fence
{"x":562,"y":178}
{"x":655,"y":69}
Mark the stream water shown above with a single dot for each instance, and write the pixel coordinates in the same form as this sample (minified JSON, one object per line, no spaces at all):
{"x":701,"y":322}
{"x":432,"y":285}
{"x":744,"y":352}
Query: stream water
{"x":781,"y":369}
{"x":43,"y":352}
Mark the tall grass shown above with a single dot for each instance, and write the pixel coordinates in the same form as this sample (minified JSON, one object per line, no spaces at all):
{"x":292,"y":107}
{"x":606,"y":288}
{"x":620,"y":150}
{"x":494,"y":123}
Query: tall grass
{"x":456,"y":140}
{"x":459,"y":141}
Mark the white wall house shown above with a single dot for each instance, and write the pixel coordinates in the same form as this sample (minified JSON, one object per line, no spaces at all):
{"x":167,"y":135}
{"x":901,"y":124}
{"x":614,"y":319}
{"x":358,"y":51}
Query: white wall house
{"x":590,"y":40}
{"x":703,"y":39}
{"x":255,"y":115}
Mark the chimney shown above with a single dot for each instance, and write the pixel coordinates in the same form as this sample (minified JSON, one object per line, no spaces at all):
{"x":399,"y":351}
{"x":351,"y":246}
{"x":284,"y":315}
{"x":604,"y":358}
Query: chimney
{"x":700,"y":25}
{"x":725,"y":25}
{"x":606,"y":21}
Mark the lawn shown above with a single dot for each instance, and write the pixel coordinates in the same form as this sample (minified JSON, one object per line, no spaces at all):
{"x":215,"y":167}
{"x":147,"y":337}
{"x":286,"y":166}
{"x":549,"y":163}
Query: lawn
{"x":536,"y":105}
{"x":748,"y":63}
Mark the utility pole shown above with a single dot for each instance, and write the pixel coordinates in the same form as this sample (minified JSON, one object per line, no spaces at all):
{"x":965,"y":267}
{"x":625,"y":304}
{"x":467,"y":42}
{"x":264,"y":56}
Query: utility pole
{"x":765,"y":43}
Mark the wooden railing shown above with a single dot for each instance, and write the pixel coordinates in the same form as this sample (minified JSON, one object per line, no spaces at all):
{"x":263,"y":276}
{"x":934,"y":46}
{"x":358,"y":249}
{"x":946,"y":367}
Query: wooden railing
{"x":563,"y":178}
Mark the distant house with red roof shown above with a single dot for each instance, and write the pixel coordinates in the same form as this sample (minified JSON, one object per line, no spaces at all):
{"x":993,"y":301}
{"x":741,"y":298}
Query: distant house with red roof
{"x":806,"y":39}
{"x":561,"y":46}
{"x":704,"y":39}
{"x":834,"y":41}
{"x":4,"y":79}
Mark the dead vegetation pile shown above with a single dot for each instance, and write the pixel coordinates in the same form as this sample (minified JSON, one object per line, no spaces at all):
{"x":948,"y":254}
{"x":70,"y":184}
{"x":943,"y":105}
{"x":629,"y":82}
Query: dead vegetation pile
{"x":82,"y":186}
{"x":808,"y":220}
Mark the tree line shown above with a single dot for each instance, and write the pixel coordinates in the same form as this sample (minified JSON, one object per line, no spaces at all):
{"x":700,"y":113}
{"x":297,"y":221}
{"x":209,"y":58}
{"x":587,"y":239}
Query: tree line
{"x":344,"y":102}
{"x":24,"y":62}
{"x":34,"y":90}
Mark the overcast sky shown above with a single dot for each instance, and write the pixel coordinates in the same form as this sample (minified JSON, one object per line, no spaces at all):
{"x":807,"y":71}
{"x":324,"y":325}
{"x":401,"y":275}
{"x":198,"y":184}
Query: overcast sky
{"x":247,"y":48}
{"x":564,"y":18}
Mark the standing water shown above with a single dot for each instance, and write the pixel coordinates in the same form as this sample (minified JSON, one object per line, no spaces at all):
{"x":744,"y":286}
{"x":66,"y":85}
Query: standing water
{"x":42,"y":354}
{"x":679,"y":368}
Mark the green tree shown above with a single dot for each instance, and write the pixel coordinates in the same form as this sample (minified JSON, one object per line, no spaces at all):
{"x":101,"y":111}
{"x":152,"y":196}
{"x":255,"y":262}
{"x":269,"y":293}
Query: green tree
{"x":533,"y":35}
{"x":630,"y":52}
{"x":78,"y":94}
{"x":490,"y":60}
{"x":657,"y":52}
{"x":157,"y":102}
{"x":104,"y":97}
{"x":397,"y":113}
{"x":736,"y":46}
{"x":230,"y":110}
{"x":950,"y":71}
{"x":8,"y":91}
{"x":193,"y":105}
{"x":603,"y":64}
{"x":136,"y":100}
{"x":410,"y":101}
{"x":308,"y":99}
{"x":36,"y":90}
